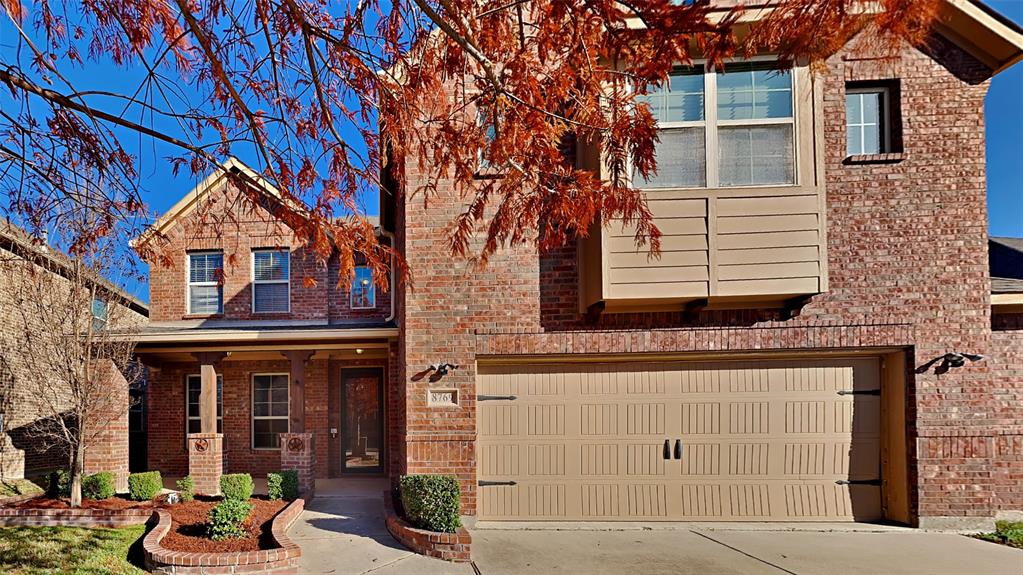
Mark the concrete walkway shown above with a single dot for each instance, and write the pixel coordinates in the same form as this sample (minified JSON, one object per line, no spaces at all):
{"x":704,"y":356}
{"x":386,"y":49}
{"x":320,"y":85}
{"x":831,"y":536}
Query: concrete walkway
{"x":342,"y":532}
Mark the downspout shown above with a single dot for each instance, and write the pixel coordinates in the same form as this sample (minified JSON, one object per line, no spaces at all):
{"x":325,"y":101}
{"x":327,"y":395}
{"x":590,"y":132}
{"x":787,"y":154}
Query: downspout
{"x":390,"y":236}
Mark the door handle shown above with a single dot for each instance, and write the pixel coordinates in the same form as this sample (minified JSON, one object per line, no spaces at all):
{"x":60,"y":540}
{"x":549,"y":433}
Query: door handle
{"x":667,"y":449}
{"x":678,"y":449}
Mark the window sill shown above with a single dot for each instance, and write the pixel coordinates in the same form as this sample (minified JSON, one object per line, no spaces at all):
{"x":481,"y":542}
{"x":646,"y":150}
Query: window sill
{"x":203,"y":316}
{"x":862,"y":159}
{"x":487,"y":174}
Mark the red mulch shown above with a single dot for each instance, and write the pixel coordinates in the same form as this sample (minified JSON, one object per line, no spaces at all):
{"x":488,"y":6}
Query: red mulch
{"x":188,"y":527}
{"x":118,"y":502}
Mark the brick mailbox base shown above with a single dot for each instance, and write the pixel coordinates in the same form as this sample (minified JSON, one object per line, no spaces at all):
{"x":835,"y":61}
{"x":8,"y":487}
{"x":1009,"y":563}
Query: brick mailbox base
{"x":206,"y":461}
{"x":298,"y":452}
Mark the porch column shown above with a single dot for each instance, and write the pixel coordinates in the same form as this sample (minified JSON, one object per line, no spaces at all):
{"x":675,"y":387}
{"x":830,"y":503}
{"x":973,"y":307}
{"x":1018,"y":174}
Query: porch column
{"x":206,"y":448}
{"x":296,"y":406}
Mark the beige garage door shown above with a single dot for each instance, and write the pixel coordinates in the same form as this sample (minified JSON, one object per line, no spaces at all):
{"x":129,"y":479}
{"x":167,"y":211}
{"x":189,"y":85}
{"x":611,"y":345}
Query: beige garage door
{"x":724,"y":441}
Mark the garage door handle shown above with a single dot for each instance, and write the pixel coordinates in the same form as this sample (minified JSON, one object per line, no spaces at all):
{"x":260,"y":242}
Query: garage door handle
{"x":678,"y":449}
{"x":858,"y":482}
{"x":667,"y":449}
{"x":484,"y":483}
{"x":496,"y":398}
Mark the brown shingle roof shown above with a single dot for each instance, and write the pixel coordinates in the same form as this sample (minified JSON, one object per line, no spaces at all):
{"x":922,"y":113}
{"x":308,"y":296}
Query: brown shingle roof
{"x":1006,"y":261}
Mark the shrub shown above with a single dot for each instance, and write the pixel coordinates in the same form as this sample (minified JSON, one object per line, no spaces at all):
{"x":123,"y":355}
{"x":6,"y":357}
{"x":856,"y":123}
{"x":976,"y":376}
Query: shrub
{"x":60,"y":484}
{"x":289,"y":484}
{"x":98,"y":485}
{"x":432,"y":502}
{"x":186,"y":488}
{"x":227,"y":518}
{"x":237,"y":486}
{"x":274,"y":491}
{"x":144,"y":486}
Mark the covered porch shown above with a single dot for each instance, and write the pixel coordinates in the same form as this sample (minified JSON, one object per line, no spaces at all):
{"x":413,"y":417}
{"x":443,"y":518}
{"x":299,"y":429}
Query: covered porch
{"x":249,"y":400}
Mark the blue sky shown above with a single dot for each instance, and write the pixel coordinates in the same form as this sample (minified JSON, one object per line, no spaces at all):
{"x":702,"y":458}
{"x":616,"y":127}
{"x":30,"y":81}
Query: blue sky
{"x":1005,"y":141}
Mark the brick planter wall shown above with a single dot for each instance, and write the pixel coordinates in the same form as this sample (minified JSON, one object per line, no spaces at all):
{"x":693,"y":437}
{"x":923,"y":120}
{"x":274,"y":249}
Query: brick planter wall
{"x":88,"y":518}
{"x":281,"y":561}
{"x":448,"y":546}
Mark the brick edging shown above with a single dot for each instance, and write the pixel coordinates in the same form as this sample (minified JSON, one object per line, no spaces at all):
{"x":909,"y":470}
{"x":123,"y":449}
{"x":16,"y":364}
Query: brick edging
{"x":77,"y":517}
{"x":454,"y":547}
{"x":280,"y":561}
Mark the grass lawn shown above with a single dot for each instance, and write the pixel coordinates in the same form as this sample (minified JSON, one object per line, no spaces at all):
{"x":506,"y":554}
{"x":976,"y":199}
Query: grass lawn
{"x":52,"y":550}
{"x":1006,"y":532}
{"x":11,"y":487}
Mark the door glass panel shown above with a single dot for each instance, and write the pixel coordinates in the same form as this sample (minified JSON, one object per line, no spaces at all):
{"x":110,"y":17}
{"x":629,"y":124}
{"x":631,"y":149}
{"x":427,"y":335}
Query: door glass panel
{"x":362,"y":420}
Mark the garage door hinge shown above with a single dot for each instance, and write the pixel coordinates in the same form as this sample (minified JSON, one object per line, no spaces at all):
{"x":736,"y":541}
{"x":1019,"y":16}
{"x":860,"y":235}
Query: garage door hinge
{"x":495,"y":397}
{"x":483,"y":483}
{"x":860,"y":392}
{"x":858,"y":482}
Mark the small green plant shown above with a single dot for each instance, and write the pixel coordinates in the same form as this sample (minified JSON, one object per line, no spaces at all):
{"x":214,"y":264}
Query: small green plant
{"x":1006,"y":532}
{"x":60,"y":484}
{"x":274,"y":491}
{"x":144,"y":486}
{"x":186,"y":488}
{"x":99,"y":485}
{"x":237,"y":486}
{"x":289,"y":484}
{"x":227,"y":519}
{"x":432,"y":502}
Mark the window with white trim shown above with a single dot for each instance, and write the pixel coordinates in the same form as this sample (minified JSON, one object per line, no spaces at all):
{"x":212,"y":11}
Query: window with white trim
{"x":363,"y":292}
{"x":193,"y":387}
{"x":866,"y":121}
{"x":271,"y":281}
{"x":269,"y":409}
{"x":205,"y":292}
{"x":724,"y":129}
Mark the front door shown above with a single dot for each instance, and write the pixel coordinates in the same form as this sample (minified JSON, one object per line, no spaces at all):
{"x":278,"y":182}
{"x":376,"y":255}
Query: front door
{"x":362,"y":420}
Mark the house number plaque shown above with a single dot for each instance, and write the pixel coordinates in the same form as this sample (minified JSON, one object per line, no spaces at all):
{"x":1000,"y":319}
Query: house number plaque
{"x":443,"y":397}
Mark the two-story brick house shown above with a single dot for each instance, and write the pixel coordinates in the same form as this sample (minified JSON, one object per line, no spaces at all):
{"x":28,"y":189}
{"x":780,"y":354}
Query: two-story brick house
{"x":795,"y":354}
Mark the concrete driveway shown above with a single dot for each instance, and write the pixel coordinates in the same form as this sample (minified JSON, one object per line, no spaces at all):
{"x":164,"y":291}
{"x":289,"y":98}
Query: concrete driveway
{"x":343,"y":533}
{"x":738,"y":552}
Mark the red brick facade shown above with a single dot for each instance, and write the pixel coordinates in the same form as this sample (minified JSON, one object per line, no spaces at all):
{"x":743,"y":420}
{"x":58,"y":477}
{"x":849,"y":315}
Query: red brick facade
{"x":907,"y":260}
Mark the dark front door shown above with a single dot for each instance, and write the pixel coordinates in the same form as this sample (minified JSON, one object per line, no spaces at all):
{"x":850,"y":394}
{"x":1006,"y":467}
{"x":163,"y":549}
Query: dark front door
{"x":362,"y":420}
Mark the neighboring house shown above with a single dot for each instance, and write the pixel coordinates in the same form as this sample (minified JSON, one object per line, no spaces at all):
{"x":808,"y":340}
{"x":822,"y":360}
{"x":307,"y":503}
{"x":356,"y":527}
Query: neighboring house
{"x":23,"y":452}
{"x":1006,"y":259}
{"x":792,"y":356}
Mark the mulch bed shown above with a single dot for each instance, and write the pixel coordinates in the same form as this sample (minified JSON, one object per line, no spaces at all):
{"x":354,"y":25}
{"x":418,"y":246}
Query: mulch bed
{"x":188,"y":521}
{"x":118,"y":502}
{"x":188,"y":527}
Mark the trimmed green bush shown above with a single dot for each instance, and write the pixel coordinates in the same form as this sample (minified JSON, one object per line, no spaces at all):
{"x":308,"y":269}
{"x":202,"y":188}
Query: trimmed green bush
{"x":289,"y":484}
{"x":432,"y":502}
{"x":237,"y":486}
{"x":60,"y":484}
{"x":99,"y":485}
{"x":144,"y":486}
{"x":227,"y":518}
{"x":186,"y":488}
{"x":274,"y":491}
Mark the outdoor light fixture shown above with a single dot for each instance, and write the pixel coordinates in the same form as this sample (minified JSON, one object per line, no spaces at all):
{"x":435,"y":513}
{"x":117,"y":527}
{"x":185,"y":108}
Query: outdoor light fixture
{"x":359,"y":350}
{"x":948,"y":361}
{"x":442,"y":369}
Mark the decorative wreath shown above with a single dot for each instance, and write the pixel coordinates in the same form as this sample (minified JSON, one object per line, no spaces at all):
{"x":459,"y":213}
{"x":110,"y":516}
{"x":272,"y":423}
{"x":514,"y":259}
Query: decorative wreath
{"x":295,"y":444}
{"x":201,"y":445}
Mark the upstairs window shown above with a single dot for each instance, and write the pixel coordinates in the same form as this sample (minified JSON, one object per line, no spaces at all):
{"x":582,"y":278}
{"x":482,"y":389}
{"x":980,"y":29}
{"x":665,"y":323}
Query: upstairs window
{"x":271,"y":281}
{"x":193,"y":385}
{"x":724,"y":129}
{"x":363,"y":291}
{"x":869,"y":116}
{"x":269,"y":410}
{"x":100,"y":314}
{"x":205,"y":292}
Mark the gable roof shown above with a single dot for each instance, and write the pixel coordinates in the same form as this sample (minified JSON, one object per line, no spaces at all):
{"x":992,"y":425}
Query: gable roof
{"x":194,"y":198}
{"x":980,"y":30}
{"x":1005,"y":257}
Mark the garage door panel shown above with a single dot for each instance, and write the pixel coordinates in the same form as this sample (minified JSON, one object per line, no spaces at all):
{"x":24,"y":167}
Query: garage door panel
{"x":759,"y":440}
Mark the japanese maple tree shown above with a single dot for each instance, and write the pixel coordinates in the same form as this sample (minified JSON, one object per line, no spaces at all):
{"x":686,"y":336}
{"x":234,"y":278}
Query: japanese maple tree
{"x":319,"y":95}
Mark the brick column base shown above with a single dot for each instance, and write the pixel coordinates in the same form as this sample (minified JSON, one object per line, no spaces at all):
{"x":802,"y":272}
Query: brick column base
{"x":108,"y":448}
{"x":298,"y":452}
{"x":206,"y":461}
